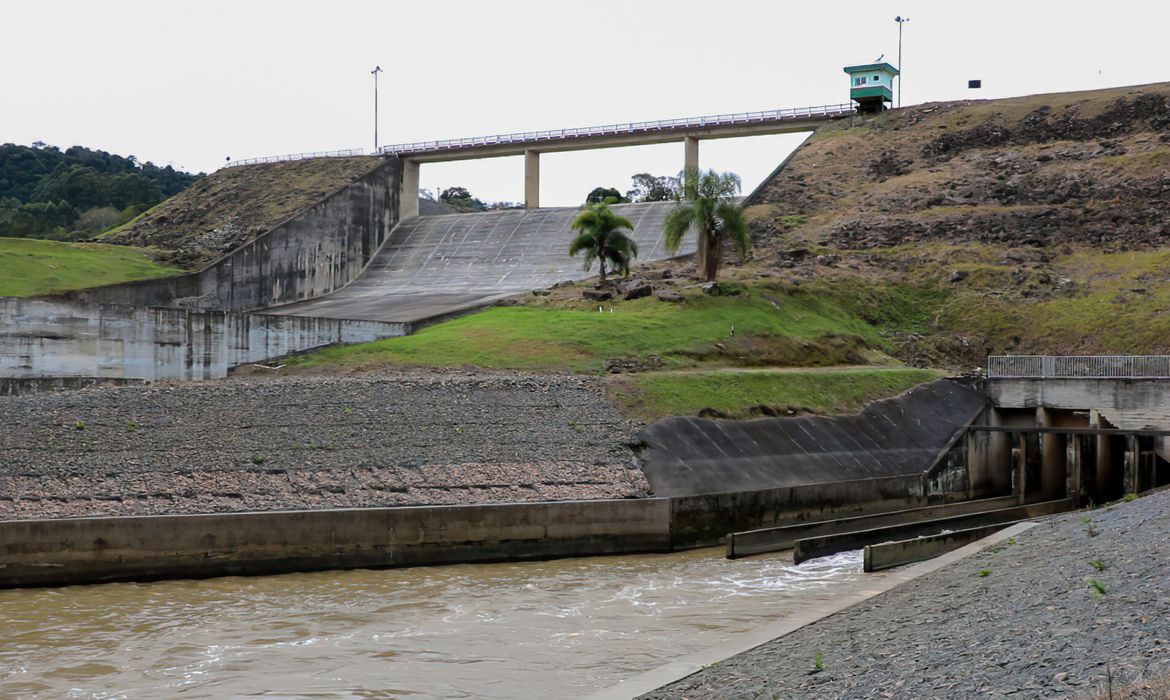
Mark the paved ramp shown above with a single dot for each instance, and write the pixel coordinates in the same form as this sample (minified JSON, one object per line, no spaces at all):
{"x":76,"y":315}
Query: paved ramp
{"x":433,"y":265}
{"x":687,"y":456}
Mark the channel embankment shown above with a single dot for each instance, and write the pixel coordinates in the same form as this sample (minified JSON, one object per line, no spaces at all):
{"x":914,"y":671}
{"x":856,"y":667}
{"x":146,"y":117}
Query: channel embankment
{"x":408,"y":438}
{"x":1056,"y":611}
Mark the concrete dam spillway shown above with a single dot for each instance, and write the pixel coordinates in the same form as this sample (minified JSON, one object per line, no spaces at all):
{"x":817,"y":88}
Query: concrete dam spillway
{"x":435,"y":265}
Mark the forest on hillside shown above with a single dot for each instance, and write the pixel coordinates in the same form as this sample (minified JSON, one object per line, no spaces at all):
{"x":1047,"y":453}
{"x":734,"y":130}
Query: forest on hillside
{"x":76,"y":193}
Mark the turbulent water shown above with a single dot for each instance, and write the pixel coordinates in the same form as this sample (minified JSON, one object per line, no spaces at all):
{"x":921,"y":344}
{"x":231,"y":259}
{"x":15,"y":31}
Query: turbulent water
{"x":544,"y":629}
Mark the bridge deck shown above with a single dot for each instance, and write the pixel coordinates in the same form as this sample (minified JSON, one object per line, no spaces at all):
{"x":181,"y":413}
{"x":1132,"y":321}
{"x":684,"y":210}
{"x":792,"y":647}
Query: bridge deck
{"x":775,"y":121}
{"x":434,"y":265}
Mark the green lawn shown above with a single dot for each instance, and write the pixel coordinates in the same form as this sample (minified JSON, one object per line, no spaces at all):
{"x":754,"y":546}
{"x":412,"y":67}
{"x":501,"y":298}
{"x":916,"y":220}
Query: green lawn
{"x":30,"y":267}
{"x":765,"y":328}
{"x":736,"y":393}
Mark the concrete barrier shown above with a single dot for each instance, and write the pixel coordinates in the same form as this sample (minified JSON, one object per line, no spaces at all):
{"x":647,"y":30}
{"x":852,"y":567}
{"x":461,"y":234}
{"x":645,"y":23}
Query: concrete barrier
{"x":888,"y":555}
{"x":813,"y":547}
{"x":705,"y":520}
{"x":88,"y":550}
{"x":774,"y":539}
{"x":42,"y":338}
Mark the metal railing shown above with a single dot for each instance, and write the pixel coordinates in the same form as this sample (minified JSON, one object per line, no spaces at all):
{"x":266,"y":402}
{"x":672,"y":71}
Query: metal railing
{"x":1079,"y":366}
{"x":775,"y":115}
{"x":297,"y":156}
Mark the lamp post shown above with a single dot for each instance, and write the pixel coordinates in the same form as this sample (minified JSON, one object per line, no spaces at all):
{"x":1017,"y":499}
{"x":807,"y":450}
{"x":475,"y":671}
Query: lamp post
{"x":375,"y":72}
{"x":900,"y":20}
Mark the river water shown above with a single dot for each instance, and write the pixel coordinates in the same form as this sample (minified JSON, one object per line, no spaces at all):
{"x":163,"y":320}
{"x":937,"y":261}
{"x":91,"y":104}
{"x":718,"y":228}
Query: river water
{"x":559,"y":628}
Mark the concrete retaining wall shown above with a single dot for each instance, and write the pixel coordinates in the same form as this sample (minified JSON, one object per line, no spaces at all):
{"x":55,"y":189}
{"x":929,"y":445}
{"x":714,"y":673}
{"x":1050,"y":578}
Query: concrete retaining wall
{"x":1100,"y":394}
{"x":316,"y":251}
{"x":87,"y":550}
{"x":55,"y":339}
{"x":706,"y":519}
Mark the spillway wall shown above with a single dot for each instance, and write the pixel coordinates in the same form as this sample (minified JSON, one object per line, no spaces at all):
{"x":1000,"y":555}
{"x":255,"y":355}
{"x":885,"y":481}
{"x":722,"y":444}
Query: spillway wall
{"x":314,"y":252}
{"x":42,"y":339}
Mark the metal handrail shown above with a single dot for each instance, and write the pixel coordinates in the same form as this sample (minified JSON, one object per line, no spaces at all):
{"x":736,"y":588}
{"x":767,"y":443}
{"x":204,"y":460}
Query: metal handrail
{"x":773,"y":115}
{"x":1079,"y":366}
{"x":298,"y":156}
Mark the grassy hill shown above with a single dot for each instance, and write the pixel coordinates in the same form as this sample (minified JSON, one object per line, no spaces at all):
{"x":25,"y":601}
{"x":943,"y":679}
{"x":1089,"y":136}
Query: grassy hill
{"x":32,"y":267}
{"x":1035,"y":224}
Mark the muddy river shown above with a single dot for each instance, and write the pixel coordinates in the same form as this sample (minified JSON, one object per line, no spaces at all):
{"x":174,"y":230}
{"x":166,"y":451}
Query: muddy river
{"x":544,"y":629}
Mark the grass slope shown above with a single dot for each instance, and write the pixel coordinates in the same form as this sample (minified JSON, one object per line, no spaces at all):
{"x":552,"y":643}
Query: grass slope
{"x":746,"y":394}
{"x":32,"y":267}
{"x":764,"y":326}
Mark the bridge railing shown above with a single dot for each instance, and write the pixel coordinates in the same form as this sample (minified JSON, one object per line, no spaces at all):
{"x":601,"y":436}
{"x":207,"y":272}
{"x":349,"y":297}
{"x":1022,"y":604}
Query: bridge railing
{"x":298,"y":156}
{"x":1079,"y":366}
{"x":774,"y":115}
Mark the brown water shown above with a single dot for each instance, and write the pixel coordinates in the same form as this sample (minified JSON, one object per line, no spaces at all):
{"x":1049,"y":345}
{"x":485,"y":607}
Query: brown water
{"x":543,"y":629}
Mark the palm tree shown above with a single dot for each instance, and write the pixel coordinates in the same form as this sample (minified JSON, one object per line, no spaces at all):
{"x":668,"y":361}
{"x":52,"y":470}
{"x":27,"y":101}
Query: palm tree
{"x":600,"y":236}
{"x":710,"y":208}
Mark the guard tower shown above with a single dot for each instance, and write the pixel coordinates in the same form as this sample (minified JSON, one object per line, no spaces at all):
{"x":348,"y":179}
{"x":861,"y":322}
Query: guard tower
{"x":871,"y":86}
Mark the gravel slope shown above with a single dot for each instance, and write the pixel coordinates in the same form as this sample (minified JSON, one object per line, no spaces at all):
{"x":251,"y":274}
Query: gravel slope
{"x":425,"y":437}
{"x":1033,"y":627}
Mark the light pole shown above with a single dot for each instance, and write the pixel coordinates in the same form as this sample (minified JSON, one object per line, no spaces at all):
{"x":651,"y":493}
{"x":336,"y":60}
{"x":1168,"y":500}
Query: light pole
{"x":375,"y":72}
{"x":900,"y":20}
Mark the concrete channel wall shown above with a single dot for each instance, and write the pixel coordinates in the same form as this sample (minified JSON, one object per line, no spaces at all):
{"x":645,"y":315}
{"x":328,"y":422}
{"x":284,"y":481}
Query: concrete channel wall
{"x":86,"y":550}
{"x":316,"y":251}
{"x":90,"y":550}
{"x":42,"y":339}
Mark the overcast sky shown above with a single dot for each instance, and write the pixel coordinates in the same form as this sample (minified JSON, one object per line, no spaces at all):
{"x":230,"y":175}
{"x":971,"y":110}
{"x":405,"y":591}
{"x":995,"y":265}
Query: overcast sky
{"x":192,"y":83}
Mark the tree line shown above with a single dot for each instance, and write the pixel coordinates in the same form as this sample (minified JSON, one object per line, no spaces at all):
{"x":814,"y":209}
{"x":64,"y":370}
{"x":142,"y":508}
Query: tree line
{"x":76,"y":193}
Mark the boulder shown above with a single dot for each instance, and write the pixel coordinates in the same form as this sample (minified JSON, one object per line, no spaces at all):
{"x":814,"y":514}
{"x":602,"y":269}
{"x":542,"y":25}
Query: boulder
{"x":636,"y":289}
{"x":597,"y":294}
{"x":670,"y":295}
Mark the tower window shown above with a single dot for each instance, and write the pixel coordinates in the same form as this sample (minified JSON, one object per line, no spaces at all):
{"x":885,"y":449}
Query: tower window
{"x":860,"y":80}
{"x":877,"y":78}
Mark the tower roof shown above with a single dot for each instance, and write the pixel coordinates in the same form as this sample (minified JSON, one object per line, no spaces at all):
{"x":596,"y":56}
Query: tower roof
{"x":870,"y":67}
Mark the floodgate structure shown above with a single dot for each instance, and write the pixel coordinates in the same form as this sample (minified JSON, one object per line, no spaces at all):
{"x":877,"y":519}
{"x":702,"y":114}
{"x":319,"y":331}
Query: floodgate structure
{"x":928,"y":470}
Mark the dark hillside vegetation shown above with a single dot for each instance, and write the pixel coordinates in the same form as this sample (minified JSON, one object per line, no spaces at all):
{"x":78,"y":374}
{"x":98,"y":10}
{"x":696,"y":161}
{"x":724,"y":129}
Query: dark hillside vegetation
{"x":77,"y":193}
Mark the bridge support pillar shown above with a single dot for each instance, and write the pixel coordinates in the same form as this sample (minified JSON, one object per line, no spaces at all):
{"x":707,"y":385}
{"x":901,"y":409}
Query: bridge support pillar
{"x":531,"y":179}
{"x":690,"y":153}
{"x":408,"y":195}
{"x":1053,"y":458}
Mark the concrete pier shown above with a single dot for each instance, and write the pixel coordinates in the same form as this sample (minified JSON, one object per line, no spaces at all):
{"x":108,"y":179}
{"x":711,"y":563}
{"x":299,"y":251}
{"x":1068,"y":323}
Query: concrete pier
{"x":531,"y":179}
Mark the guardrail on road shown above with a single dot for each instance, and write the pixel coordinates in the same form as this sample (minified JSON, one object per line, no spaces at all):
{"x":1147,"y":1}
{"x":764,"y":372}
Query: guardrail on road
{"x":298,"y":156}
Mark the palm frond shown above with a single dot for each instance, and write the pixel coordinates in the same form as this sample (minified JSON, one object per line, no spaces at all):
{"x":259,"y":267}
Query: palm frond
{"x":678,"y":222}
{"x":734,"y":225}
{"x":583,"y":241}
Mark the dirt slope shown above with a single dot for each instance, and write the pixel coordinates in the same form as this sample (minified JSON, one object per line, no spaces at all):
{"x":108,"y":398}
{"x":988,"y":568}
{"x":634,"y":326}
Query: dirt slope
{"x":233,"y":206}
{"x":1090,"y":167}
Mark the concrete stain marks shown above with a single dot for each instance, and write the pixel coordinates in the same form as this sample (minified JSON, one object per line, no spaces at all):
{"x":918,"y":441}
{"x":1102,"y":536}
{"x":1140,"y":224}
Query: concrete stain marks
{"x":436,"y":264}
{"x":693,"y":663}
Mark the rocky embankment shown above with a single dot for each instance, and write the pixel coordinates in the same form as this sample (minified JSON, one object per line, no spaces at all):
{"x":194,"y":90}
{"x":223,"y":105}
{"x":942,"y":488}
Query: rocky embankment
{"x":1045,"y":170}
{"x":407,"y":438}
{"x":1068,"y":608}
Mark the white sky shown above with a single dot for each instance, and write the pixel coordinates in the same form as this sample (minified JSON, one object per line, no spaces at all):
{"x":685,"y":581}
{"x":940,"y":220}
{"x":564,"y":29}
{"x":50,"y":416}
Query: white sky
{"x":189,"y":84}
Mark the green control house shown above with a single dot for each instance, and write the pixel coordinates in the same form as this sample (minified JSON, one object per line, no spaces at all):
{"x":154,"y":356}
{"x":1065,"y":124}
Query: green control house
{"x":871,"y":86}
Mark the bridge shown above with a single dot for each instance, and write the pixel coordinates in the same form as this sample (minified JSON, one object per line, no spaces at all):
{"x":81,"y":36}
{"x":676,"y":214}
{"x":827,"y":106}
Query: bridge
{"x":531,"y":144}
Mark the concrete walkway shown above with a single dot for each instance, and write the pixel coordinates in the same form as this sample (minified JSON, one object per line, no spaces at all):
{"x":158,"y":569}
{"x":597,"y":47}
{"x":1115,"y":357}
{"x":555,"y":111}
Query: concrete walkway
{"x":1047,"y":613}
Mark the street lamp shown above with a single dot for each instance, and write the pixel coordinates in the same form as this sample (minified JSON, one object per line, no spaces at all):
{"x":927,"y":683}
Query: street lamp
{"x":900,"y":20}
{"x":375,"y":72}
